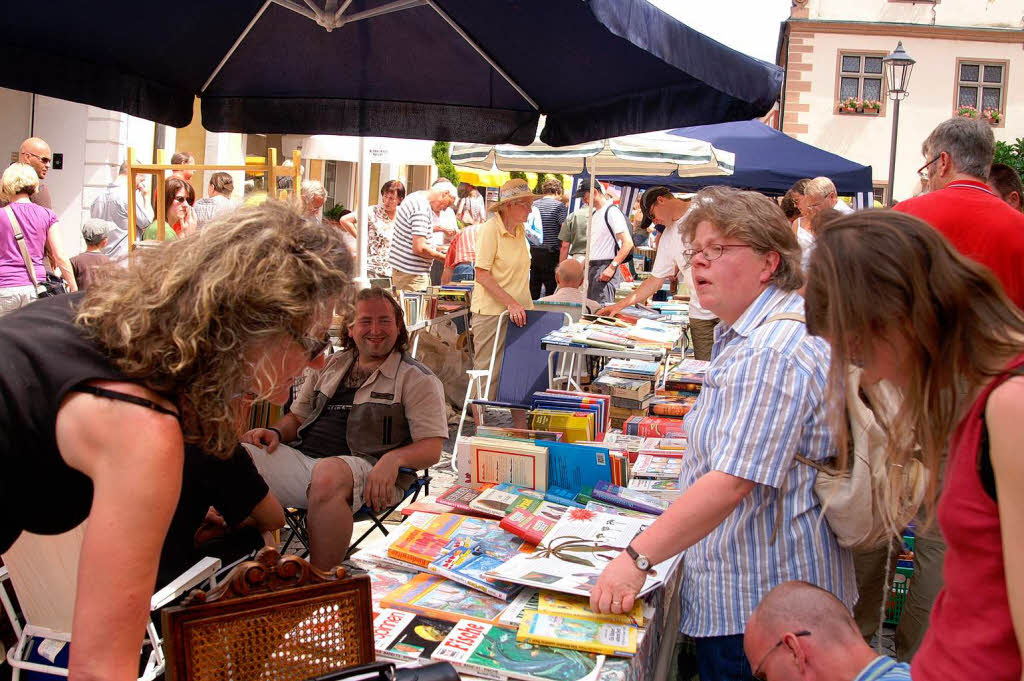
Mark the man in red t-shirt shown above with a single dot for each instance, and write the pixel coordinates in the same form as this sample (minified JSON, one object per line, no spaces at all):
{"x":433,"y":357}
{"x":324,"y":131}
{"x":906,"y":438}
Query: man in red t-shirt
{"x":960,"y":204}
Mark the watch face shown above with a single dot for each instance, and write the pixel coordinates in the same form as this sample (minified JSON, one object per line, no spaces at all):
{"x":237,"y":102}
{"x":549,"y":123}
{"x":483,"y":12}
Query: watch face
{"x":643,"y":563}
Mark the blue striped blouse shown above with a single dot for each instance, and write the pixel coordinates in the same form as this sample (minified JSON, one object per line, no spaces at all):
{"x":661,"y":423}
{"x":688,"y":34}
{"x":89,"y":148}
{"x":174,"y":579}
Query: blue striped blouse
{"x":763,"y":400}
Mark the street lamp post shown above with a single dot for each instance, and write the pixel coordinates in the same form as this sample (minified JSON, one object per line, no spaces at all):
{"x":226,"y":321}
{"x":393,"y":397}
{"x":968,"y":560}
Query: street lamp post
{"x":898,"y":67}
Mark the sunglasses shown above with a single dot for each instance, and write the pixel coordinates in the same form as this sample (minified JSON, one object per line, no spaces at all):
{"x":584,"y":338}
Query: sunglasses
{"x":45,"y":160}
{"x":758,"y":673}
{"x":314,"y":347}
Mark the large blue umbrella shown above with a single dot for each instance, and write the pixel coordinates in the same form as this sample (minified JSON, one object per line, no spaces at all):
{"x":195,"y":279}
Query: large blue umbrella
{"x":467,"y":70}
{"x":766,"y":160}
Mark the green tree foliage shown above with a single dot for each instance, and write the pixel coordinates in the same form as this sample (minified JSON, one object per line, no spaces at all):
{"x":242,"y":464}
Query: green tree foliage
{"x":517,"y":175}
{"x":1011,"y":154}
{"x":539,"y":187}
{"x":441,"y":152}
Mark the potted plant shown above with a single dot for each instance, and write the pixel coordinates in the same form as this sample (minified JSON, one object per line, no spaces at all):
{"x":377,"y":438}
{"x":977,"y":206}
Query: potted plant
{"x":872,"y":106}
{"x":991,"y":115}
{"x":967,"y":112}
{"x":849,"y":105}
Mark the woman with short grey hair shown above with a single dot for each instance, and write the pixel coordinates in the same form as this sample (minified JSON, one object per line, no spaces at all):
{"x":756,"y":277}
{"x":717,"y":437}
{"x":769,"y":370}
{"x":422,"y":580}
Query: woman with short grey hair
{"x":18,"y":183}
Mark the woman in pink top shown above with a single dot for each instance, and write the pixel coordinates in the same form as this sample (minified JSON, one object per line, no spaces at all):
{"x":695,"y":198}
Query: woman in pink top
{"x":17,"y":184}
{"x":893,"y":296}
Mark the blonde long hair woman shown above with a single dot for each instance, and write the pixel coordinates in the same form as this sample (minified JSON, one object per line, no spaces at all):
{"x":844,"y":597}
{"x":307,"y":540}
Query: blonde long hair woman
{"x":891,"y":295}
{"x":99,"y":391}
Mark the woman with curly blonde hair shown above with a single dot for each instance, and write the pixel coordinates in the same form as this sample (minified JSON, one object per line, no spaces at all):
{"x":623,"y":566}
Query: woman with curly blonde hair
{"x":100,"y":391}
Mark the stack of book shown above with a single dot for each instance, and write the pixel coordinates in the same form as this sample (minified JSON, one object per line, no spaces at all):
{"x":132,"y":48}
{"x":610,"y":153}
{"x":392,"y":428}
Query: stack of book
{"x":567,"y":411}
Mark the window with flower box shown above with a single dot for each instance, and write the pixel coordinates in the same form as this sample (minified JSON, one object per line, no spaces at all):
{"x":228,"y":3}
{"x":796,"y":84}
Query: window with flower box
{"x":981,"y":89}
{"x":860,"y":82}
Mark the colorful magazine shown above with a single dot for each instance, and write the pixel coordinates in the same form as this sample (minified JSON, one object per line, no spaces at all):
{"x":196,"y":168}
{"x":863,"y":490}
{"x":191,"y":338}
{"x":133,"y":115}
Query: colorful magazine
{"x":576,"y":551}
{"x":404,"y":635}
{"x":554,"y":603}
{"x":527,"y":599}
{"x":656,"y":467}
{"x":494,"y":652}
{"x":629,"y":498}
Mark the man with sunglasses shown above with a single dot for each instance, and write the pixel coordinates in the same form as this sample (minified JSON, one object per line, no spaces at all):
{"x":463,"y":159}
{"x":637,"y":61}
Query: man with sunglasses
{"x":960,"y":204}
{"x":357,"y":431}
{"x":800,"y":632}
{"x":36,"y":153}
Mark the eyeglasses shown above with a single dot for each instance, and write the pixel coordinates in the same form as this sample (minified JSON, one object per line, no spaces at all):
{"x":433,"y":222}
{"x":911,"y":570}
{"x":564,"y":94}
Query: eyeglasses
{"x":45,"y":160}
{"x":923,"y":170}
{"x":314,"y":347}
{"x":711,"y":251}
{"x":758,"y":674}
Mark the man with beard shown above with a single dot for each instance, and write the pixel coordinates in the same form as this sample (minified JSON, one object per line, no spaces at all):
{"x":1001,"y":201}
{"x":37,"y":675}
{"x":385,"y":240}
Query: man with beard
{"x":371,"y":411}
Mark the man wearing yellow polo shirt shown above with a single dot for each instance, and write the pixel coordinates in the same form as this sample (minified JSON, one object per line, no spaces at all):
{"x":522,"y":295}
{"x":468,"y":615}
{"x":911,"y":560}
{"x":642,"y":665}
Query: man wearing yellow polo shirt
{"x":502,"y":272}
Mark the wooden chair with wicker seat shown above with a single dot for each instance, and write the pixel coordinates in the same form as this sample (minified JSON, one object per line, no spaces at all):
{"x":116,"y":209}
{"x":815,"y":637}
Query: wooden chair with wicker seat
{"x":272,"y":618}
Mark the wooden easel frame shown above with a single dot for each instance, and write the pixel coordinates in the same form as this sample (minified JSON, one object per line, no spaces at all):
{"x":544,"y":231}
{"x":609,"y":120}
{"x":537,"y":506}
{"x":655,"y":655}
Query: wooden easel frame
{"x":158,"y":169}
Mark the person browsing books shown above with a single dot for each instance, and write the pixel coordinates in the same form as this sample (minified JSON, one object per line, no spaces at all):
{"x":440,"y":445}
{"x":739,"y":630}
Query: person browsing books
{"x":569,"y":275}
{"x":748,"y":516}
{"x":502,"y":271}
{"x":660,"y":206}
{"x":396,"y":409}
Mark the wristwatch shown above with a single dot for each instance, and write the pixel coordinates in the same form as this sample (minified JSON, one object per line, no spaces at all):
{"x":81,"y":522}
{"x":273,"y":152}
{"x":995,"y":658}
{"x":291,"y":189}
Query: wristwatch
{"x":642,"y":562}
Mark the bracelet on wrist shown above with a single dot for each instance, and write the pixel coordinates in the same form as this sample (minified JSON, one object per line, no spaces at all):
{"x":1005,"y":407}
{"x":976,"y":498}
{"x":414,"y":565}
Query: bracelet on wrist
{"x":280,"y":439}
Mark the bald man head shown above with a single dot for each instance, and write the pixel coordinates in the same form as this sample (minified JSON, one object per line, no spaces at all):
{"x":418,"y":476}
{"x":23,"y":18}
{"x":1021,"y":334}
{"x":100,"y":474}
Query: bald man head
{"x":800,"y":632}
{"x":569,"y":273}
{"x":36,"y":152}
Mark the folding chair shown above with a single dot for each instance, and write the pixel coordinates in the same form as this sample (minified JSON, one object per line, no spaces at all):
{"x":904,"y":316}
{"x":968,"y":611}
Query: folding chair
{"x":524,"y":367}
{"x":43,"y":571}
{"x":295,"y":518}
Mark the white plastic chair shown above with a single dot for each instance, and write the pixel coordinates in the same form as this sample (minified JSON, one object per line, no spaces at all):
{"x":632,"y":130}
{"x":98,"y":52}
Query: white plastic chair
{"x":43,"y":571}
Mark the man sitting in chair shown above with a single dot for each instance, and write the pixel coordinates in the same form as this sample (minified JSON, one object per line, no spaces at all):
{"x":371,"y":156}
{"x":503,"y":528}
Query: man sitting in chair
{"x":372,"y":410}
{"x":569,"y":276}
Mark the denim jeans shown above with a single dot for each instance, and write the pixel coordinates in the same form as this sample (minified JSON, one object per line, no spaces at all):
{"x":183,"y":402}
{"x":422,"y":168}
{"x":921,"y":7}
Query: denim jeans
{"x":721,"y":658}
{"x":464,"y":271}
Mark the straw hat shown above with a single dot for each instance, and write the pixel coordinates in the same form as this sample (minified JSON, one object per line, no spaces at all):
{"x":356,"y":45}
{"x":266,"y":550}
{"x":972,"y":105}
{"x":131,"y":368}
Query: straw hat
{"x":512,"y":190}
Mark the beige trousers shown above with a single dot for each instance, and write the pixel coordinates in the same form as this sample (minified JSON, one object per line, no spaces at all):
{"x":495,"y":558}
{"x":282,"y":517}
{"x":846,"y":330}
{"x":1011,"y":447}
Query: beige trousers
{"x":403,"y":281}
{"x":485,"y":327}
{"x":702,"y":333}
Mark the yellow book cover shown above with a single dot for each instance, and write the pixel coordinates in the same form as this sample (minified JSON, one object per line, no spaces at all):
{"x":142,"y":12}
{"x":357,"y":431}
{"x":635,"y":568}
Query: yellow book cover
{"x":578,"y":633}
{"x":574,"y":426}
{"x":556,"y":603}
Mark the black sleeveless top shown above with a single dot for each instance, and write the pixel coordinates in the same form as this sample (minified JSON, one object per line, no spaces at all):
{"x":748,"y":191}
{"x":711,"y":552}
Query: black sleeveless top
{"x":43,"y":357}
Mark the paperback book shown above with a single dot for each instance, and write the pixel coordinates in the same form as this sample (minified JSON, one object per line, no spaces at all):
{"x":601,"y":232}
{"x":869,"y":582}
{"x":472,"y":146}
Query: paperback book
{"x":519,"y":463}
{"x":441,"y":598}
{"x":657,"y":467}
{"x":465,"y":566}
{"x":490,"y":651}
{"x":554,"y":603}
{"x":578,"y":633}
{"x":628,"y":498}
{"x":401,"y":635}
{"x":527,"y":599}
{"x":495,"y":501}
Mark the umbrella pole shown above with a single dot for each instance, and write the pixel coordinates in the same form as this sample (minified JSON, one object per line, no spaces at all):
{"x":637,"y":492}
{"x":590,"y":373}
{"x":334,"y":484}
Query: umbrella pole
{"x":363,"y":216}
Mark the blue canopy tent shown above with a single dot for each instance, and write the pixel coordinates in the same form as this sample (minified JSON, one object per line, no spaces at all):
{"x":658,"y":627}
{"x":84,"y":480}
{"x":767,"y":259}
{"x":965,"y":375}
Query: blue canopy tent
{"x":766,"y":161}
{"x":460,"y":70}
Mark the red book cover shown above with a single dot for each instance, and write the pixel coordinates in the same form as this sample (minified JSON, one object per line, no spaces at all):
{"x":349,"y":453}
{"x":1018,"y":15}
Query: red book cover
{"x":524,"y":524}
{"x":418,"y":547}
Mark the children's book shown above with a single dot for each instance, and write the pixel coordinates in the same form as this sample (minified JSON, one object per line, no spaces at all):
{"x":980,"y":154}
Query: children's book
{"x":578,"y":633}
{"x":418,"y":547}
{"x":576,"y":551}
{"x":401,"y":635}
{"x":443,"y":599}
{"x":465,"y":566}
{"x":554,"y":603}
{"x":628,"y":498}
{"x":490,"y":651}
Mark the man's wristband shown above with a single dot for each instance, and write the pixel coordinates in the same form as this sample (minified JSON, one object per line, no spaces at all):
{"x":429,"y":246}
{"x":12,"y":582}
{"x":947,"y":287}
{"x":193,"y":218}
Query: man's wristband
{"x":279,"y":437}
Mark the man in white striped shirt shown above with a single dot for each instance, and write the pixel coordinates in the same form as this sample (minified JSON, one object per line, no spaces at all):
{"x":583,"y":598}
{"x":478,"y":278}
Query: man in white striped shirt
{"x":415,"y":221}
{"x":748,"y":517}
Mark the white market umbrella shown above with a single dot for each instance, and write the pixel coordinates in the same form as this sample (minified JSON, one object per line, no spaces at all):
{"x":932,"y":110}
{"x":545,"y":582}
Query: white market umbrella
{"x":651,"y":154}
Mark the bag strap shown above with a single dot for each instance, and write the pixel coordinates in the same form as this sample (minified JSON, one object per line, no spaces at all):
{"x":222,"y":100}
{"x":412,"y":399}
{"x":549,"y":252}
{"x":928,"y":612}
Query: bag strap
{"x":19,"y":238}
{"x":608,"y":224}
{"x":984,"y":463}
